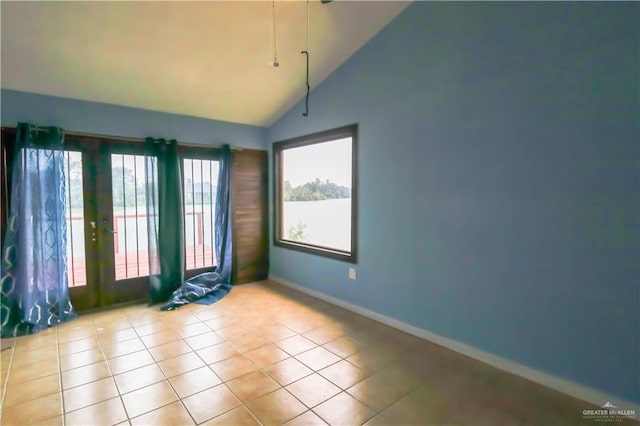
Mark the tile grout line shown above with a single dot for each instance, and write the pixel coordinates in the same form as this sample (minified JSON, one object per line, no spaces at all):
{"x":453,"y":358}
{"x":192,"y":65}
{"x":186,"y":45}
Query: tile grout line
{"x":64,"y":420}
{"x":312,"y":409}
{"x":222,"y":382}
{"x":268,"y":314}
{"x":111,"y":375}
{"x":167,"y":379}
{"x":261,"y":369}
{"x":5,"y":385}
{"x":129,"y":418}
{"x":100,"y":347}
{"x":94,"y":335}
{"x":359,"y":342}
{"x":165,"y":376}
{"x":313,"y":371}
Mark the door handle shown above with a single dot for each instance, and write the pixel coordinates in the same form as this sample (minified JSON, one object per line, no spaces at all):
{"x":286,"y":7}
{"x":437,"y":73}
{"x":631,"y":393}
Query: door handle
{"x":107,"y":228}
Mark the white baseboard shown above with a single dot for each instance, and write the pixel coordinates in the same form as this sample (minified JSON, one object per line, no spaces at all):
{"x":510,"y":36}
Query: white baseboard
{"x":561,"y":385}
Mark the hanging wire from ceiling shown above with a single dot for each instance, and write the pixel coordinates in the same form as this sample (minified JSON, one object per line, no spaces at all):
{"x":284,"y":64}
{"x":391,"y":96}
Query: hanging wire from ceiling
{"x":275,"y":62}
{"x":306,"y":52}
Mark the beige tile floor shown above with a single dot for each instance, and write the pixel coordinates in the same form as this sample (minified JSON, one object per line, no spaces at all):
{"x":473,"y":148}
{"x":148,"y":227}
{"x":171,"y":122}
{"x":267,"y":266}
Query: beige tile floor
{"x":265,"y":354}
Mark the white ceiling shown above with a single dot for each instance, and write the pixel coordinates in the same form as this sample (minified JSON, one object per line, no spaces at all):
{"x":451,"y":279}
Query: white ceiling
{"x":205,"y":59}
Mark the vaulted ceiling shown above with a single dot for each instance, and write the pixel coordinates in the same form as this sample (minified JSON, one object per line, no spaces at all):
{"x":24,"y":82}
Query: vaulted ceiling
{"x":205,"y":59}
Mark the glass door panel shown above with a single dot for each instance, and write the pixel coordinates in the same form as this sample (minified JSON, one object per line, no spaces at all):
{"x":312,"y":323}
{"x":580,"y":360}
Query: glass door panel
{"x":126,"y":188}
{"x":82,"y":237}
{"x":75,"y":217}
{"x":131,"y":192}
{"x":200,"y":185}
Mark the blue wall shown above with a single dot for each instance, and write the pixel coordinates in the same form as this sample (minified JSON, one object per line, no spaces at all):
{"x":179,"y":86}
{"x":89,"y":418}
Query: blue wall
{"x":114,"y":120}
{"x":498,"y":182}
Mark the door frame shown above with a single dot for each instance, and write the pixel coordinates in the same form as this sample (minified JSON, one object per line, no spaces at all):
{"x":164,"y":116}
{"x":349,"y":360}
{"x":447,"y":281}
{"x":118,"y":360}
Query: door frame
{"x":112,"y":291}
{"x":102,"y":289}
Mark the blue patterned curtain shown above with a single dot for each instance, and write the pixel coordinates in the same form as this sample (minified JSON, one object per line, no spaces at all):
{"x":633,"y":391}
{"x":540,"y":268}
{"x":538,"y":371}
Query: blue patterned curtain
{"x":210,"y":287}
{"x":35,"y":291}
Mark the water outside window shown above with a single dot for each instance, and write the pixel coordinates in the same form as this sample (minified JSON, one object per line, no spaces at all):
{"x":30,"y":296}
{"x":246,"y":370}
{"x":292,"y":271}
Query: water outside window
{"x":316,"y":192}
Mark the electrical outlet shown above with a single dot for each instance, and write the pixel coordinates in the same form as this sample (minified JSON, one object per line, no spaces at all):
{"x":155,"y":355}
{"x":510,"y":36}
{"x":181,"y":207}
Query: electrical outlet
{"x":352,"y":273}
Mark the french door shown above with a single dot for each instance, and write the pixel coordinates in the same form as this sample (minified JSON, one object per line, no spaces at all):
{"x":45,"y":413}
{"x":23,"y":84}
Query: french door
{"x":111,"y":222}
{"x":110,"y":188}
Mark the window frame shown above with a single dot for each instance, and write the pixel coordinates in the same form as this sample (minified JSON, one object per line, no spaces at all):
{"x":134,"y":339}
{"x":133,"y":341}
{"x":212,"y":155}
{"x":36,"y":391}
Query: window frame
{"x":316,"y":138}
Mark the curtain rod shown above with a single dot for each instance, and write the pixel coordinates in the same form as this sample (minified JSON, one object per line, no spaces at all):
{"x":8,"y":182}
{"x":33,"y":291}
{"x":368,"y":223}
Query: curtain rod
{"x":125,"y":138}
